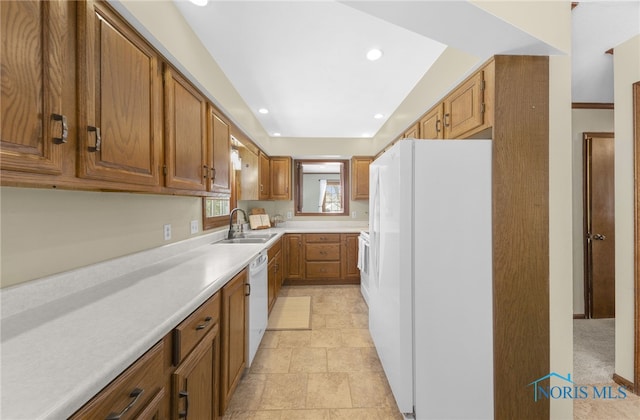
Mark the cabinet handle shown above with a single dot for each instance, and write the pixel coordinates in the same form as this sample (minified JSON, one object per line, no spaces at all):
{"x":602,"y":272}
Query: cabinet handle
{"x":206,"y":171}
{"x":446,"y":119}
{"x":135,"y":394}
{"x":261,"y":188}
{"x":95,"y":148}
{"x":185,"y":413}
{"x":438,"y":126}
{"x":64,"y":133}
{"x":213,"y":174}
{"x":248,"y":293}
{"x":204,"y":324}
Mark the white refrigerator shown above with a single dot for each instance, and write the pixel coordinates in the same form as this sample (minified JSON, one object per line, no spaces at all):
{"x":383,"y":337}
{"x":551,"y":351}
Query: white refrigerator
{"x":430,"y":302}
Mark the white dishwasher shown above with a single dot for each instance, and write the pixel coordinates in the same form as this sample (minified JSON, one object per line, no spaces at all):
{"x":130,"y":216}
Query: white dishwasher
{"x":258,"y":302}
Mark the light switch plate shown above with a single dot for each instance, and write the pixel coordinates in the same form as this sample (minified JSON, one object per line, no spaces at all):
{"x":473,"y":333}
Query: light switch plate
{"x":167,"y":232}
{"x":194,"y":227}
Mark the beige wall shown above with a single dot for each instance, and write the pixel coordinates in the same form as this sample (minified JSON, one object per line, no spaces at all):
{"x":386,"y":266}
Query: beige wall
{"x":582,"y":120}
{"x":560,"y":265}
{"x":45,"y":231}
{"x":626,"y":64}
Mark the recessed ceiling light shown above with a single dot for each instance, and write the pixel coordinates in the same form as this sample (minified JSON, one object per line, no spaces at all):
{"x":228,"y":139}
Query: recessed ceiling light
{"x":199,"y":2}
{"x":263,"y":111}
{"x":276,"y":134}
{"x":366,"y":135}
{"x":374,"y":54}
{"x":378,"y":116}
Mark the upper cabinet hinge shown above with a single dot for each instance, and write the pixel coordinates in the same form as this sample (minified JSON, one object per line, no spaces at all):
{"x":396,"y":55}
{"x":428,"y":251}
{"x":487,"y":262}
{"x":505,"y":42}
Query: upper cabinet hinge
{"x":482,"y":108}
{"x":165,"y":172}
{"x":482,"y":85}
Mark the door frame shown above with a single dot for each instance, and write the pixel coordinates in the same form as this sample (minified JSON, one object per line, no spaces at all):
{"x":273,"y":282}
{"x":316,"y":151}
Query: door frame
{"x":636,"y":165}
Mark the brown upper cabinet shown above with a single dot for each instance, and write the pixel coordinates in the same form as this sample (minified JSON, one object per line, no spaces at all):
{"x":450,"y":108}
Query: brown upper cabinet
{"x":220,"y":153}
{"x":412,"y":132}
{"x":280,"y":170}
{"x":464,"y":108}
{"x":185,"y":134}
{"x":360,"y":177}
{"x":264,"y":177}
{"x":120,"y":97}
{"x":431,"y":125}
{"x":34,"y":121}
{"x":461,"y":114}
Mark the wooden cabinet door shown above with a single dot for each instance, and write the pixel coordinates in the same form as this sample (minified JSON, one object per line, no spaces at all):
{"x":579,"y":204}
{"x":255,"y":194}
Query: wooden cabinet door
{"x":234,"y":333}
{"x":349,"y":256}
{"x":264,"y":176}
{"x":185,"y":134}
{"x":195,"y":381}
{"x":249,"y":180}
{"x":271,"y":284}
{"x":220,"y":155}
{"x":279,"y":276}
{"x":280,"y":178}
{"x":33,"y":57}
{"x":463,"y":108}
{"x":431,"y":126}
{"x":294,"y":256}
{"x":120,"y":97}
{"x":413,"y":132}
{"x":360,"y":177}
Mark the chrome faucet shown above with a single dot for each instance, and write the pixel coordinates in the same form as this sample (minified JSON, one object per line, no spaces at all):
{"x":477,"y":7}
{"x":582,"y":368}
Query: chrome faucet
{"x":232,"y":232}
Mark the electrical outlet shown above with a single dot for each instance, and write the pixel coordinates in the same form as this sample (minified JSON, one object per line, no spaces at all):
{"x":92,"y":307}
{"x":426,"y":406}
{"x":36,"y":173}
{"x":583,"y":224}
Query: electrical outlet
{"x":194,"y":227}
{"x":288,"y":215}
{"x":167,"y":232}
{"x":354,"y":214}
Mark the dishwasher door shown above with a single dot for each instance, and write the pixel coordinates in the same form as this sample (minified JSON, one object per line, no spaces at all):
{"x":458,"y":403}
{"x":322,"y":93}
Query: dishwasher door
{"x":258,"y":302}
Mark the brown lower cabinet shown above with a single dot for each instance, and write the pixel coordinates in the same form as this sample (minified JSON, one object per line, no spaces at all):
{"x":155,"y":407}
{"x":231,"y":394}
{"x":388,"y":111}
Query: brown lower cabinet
{"x":274,"y":272}
{"x":196,"y":355}
{"x":191,"y":373}
{"x":234,"y":336}
{"x":321,"y":258}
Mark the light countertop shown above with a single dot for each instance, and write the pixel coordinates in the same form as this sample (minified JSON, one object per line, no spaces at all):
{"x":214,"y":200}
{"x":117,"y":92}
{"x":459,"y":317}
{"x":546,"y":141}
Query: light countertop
{"x":67,"y":336}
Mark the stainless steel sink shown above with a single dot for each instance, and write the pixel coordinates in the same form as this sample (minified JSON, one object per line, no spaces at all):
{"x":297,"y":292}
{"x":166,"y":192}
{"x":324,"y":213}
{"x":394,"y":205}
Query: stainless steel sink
{"x":250,"y":238}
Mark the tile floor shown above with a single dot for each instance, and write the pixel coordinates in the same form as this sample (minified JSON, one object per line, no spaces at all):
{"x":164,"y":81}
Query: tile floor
{"x":329,"y":372}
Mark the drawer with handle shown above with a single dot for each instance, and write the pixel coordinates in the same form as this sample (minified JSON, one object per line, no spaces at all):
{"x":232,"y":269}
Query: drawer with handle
{"x":322,"y":237}
{"x":137,"y":393}
{"x":323,"y":270}
{"x":190,"y":331}
{"x":323,"y":252}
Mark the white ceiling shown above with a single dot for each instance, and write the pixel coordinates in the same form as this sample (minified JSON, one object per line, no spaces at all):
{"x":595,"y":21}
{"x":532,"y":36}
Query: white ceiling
{"x":305,"y":61}
{"x":597,"y":27}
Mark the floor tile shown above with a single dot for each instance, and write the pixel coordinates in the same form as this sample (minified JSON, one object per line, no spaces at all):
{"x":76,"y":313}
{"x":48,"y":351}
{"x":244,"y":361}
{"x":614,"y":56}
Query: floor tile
{"x":329,"y":372}
{"x":308,"y":360}
{"x":356,"y":338}
{"x":328,"y":390}
{"x":248,"y":393}
{"x":294,"y":338}
{"x":326,"y":338}
{"x":370,"y":389}
{"x":284,"y":391}
{"x":271,"y":360}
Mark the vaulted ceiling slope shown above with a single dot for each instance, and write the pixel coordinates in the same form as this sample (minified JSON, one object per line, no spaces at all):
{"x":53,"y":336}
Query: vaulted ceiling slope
{"x":303,"y":62}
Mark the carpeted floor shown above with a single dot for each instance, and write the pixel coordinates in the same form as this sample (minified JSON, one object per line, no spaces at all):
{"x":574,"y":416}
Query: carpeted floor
{"x":593,"y":365}
{"x":593,"y":350}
